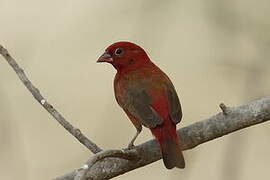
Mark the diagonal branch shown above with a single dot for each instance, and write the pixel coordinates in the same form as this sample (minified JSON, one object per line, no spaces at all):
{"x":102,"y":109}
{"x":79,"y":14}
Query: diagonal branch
{"x":35,"y":92}
{"x":235,"y":118}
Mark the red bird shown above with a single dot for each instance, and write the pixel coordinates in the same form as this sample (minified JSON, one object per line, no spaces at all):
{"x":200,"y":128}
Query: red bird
{"x":148,"y":97}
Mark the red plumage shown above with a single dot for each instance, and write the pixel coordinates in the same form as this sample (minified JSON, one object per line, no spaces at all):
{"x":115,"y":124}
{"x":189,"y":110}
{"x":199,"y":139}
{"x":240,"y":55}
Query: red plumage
{"x":148,"y":97}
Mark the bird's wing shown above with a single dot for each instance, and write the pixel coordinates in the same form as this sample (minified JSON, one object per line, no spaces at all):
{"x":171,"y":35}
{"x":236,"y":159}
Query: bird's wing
{"x":138,"y":103}
{"x":175,"y":110}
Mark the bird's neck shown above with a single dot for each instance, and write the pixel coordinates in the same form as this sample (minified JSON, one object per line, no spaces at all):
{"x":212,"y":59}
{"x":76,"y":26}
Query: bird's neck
{"x":126,"y":70}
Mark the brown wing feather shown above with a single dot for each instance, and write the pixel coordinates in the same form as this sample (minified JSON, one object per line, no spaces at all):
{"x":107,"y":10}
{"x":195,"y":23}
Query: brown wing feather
{"x":175,"y":110}
{"x":138,"y":104}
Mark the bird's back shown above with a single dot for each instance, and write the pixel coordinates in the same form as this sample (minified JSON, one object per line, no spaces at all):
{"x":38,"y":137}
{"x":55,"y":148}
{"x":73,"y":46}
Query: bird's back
{"x":148,"y":80}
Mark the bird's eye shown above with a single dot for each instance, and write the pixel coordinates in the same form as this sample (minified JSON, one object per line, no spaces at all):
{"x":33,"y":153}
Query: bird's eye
{"x":118,"y":51}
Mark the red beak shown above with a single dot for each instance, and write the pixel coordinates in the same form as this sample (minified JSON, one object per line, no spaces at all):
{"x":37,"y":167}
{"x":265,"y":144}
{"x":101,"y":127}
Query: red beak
{"x":106,"y":57}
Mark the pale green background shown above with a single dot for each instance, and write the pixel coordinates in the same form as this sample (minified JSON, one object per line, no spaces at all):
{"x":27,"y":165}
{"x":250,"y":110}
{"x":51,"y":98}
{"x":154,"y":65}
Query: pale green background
{"x":214,"y":51}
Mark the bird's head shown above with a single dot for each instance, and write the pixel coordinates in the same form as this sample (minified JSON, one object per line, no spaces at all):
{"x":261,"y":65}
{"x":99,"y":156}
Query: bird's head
{"x":124,"y":55}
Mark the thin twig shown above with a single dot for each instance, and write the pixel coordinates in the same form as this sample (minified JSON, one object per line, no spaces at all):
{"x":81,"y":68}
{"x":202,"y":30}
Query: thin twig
{"x":224,"y":108}
{"x":35,"y":92}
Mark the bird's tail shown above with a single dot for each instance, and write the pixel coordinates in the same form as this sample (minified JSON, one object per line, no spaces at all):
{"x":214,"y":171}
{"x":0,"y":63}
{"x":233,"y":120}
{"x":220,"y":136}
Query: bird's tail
{"x":169,"y":143}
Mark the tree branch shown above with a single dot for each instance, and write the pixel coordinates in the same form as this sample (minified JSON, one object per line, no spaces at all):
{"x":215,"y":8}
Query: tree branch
{"x":221,"y":124}
{"x":130,"y":155}
{"x":111,"y":163}
{"x":57,"y":116}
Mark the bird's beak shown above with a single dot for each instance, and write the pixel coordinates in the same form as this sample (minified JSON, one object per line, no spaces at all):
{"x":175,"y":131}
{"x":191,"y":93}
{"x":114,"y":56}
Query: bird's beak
{"x":106,"y":57}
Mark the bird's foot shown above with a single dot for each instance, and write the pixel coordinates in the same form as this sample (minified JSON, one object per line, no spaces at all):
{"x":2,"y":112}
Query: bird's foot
{"x":130,"y":146}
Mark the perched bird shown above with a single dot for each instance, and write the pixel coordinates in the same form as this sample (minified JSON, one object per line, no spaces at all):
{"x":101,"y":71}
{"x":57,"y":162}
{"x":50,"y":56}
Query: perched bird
{"x":148,"y":97}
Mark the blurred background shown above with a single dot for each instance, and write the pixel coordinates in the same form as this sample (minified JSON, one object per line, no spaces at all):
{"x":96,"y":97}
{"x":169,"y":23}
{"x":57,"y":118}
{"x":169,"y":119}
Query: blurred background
{"x":213,"y":51}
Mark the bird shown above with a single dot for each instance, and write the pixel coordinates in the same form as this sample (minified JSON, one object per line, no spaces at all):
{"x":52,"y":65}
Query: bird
{"x":148,"y":97}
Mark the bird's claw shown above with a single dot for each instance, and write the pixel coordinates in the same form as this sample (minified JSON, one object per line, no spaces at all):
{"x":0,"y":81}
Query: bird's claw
{"x":130,"y":146}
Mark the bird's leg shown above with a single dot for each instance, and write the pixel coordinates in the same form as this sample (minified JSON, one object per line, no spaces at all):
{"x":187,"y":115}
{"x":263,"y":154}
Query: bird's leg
{"x":131,"y":144}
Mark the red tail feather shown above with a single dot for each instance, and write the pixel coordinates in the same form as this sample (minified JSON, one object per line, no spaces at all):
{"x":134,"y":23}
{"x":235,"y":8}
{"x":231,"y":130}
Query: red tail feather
{"x":169,"y":144}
